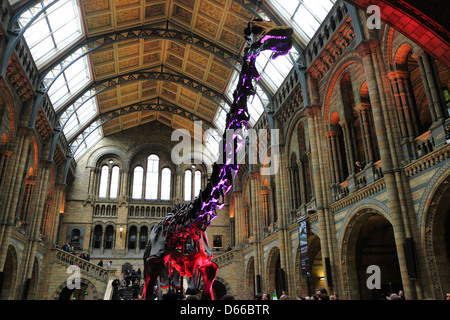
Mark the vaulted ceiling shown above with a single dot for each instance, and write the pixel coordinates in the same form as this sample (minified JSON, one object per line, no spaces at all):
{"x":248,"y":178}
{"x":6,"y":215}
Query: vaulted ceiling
{"x":110,"y":65}
{"x":220,"y":22}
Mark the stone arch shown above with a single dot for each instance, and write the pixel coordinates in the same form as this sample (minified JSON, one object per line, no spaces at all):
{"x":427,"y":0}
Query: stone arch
{"x":366,"y":204}
{"x":387,"y":37}
{"x":90,"y":285}
{"x":224,"y":284}
{"x":351,"y":264}
{"x":156,"y":148}
{"x":306,"y":285}
{"x":250,"y":278}
{"x":10,"y":273}
{"x":441,"y":175}
{"x":34,"y":283}
{"x":292,"y":130}
{"x":407,"y":67}
{"x":435,"y":232}
{"x":333,"y":78}
{"x":103,"y":151}
{"x":272,"y":280}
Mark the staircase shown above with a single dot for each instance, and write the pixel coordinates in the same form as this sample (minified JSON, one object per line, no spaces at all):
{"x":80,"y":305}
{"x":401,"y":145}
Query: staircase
{"x":55,"y":273}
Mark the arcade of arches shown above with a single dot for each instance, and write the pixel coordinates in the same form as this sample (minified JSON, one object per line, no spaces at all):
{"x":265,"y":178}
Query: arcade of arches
{"x":364,"y":155}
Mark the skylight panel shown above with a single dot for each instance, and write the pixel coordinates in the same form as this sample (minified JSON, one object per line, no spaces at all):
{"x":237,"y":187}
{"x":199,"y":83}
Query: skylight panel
{"x":308,"y":22}
{"x":88,"y":143}
{"x":70,"y":82}
{"x":54,"y":30}
{"x":212,"y":142}
{"x":255,"y":108}
{"x":304,"y":15}
{"x":220,"y":119}
{"x":79,"y":118}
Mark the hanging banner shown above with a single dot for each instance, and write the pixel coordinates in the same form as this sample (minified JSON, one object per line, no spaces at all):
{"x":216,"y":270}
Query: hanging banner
{"x":303,"y":243}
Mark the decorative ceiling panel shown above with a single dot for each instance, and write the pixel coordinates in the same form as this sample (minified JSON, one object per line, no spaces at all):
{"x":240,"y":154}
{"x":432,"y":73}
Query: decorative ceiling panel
{"x":218,"y":21}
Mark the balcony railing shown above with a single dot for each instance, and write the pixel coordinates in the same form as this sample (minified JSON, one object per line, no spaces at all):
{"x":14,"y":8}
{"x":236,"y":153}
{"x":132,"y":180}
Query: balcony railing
{"x":84,"y":265}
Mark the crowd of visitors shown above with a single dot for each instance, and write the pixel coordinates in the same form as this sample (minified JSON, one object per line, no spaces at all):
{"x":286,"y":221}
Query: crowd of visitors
{"x":131,"y":280}
{"x":322,"y":294}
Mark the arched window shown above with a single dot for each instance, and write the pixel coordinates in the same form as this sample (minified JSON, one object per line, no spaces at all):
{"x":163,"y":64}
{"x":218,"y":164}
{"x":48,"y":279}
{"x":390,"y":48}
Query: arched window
{"x":109,"y":237}
{"x":113,"y":188}
{"x":166,"y":176}
{"x":98,"y":230}
{"x":103,"y":182}
{"x":138,"y":178}
{"x":197,"y":182}
{"x":187,"y":185}
{"x":132,"y":238}
{"x":151,"y":185}
{"x":143,"y":237}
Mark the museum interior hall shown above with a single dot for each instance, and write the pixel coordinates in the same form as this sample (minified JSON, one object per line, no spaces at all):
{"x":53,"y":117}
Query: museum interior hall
{"x":114,"y":118}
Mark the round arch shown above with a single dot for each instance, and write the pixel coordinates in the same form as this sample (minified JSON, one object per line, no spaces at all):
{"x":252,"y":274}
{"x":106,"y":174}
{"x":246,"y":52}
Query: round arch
{"x":272,"y":276}
{"x":435,"y":233}
{"x":368,"y":239}
{"x":335,"y":75}
{"x":10,"y":272}
{"x":34,"y":283}
{"x":109,"y":150}
{"x":305,"y":285}
{"x":62,"y":292}
{"x":250,"y":279}
{"x":220,"y":288}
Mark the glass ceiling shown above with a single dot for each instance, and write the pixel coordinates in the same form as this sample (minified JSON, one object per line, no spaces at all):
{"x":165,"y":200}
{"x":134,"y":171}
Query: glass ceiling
{"x":59,"y":27}
{"x":53,"y":31}
{"x":305,"y":16}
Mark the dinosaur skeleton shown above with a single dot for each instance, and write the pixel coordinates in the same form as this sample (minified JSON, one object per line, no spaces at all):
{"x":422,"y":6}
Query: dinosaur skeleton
{"x":178,"y":245}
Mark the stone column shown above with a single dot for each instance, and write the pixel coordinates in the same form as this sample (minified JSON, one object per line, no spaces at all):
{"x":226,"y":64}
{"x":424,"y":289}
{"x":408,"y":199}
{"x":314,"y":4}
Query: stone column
{"x":368,"y":52}
{"x":58,"y":198}
{"x":90,"y":189}
{"x":348,"y":147}
{"x":124,"y":184}
{"x":312,"y":112}
{"x":367,"y":134}
{"x":96,"y":183}
{"x":303,"y":197}
{"x":4,"y":156}
{"x":16,"y":165}
{"x":254,"y":218}
{"x":331,"y":139}
{"x":436,"y":103}
{"x":38,"y":201}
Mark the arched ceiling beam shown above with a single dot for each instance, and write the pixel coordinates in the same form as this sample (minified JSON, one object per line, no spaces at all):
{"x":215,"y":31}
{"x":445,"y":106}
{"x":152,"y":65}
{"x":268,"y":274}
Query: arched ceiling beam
{"x":15,"y":32}
{"x":95,"y":88}
{"x":155,"y":104}
{"x":160,"y":105}
{"x":81,"y":49}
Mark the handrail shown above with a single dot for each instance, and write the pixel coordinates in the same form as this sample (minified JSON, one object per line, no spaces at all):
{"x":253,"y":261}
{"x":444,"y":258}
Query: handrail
{"x":84,"y":265}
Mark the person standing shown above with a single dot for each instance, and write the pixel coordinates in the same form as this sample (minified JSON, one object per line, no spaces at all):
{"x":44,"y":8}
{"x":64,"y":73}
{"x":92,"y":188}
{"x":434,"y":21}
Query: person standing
{"x":116,"y":285}
{"x":123,"y":285}
{"x":135,"y":288}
